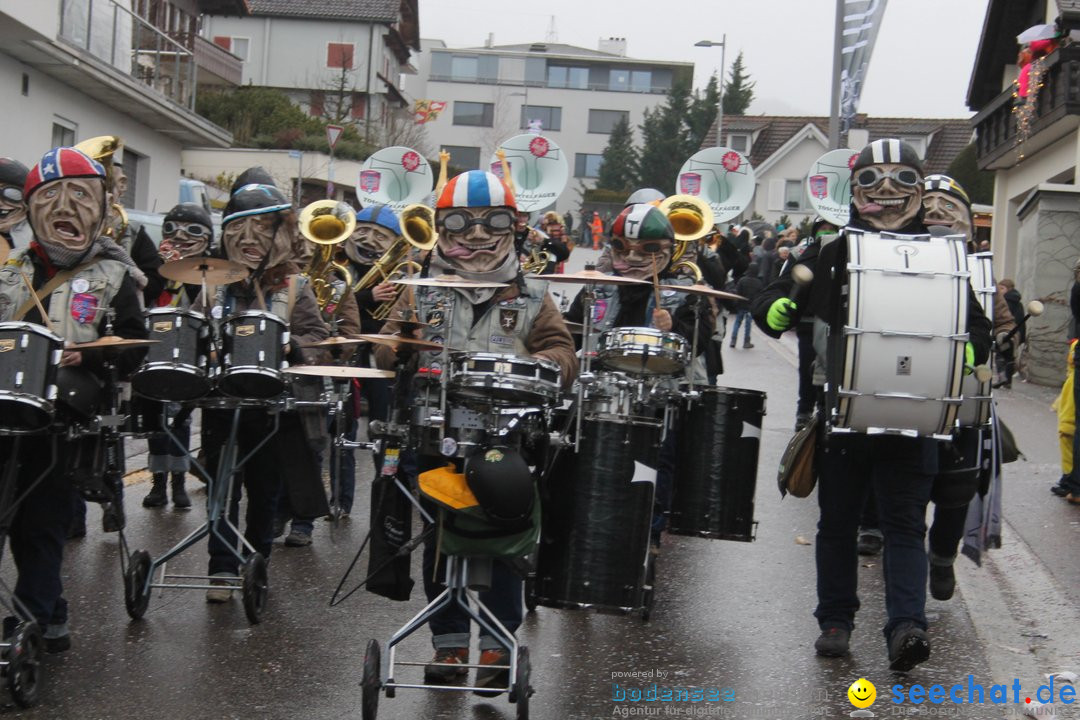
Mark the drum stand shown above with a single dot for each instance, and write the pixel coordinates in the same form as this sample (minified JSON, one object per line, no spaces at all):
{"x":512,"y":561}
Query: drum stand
{"x":252,"y":580}
{"x":464,"y":576}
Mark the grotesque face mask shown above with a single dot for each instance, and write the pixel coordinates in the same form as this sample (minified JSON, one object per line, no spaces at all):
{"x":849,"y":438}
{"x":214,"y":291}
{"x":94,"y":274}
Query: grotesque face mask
{"x":475,"y":239}
{"x":12,"y":208}
{"x":368,"y":243}
{"x":187,"y":239}
{"x":68,"y":213}
{"x":249,"y":239}
{"x":120,"y":183}
{"x":636,"y":258}
{"x":944,"y":209}
{"x":887,"y":195}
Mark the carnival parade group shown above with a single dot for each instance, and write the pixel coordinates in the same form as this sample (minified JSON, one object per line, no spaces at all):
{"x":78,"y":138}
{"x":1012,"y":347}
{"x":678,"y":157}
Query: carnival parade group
{"x":546,"y":450}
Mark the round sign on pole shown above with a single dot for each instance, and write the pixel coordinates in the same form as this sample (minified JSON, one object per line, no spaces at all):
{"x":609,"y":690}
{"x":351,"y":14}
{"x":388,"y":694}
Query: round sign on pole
{"x":538,"y":169}
{"x":394,"y":176}
{"x":828,"y":185}
{"x":720,"y":176}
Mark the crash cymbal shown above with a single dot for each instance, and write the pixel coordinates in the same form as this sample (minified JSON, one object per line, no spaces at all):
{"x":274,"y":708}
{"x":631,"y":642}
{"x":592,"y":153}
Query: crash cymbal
{"x":396,"y":341}
{"x":449,"y":281}
{"x":112,"y":342}
{"x":333,"y":342}
{"x":217,"y":271}
{"x":698,"y":289}
{"x":589,"y":277}
{"x":340,"y":371}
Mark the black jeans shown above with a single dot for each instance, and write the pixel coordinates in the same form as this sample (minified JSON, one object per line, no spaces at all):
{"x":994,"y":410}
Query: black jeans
{"x":804,"y":331}
{"x":901,"y":471}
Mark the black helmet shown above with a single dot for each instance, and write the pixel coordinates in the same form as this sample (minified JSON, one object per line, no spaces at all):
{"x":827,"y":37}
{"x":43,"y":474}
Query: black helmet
{"x":13,"y":172}
{"x":257,"y":175}
{"x":254,"y":200}
{"x":190,"y":213}
{"x":888,"y":150}
{"x":502,"y":484}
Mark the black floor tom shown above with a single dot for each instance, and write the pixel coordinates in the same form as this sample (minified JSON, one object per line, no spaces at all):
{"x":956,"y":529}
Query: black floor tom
{"x":176,"y":367}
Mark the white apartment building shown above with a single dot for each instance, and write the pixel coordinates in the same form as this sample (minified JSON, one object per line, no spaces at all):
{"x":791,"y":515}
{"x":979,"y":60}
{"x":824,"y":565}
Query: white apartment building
{"x":577,"y":94}
{"x":75,"y":69}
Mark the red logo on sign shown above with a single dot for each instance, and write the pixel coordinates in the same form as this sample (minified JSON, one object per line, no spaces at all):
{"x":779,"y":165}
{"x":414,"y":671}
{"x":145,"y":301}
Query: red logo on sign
{"x":410,"y":161}
{"x":731,"y":161}
{"x":369,"y":180}
{"x":690,"y":183}
{"x":819,"y":186}
{"x":539,"y":147}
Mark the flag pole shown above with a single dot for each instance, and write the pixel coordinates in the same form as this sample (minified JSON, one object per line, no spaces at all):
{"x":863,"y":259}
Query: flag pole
{"x":834,"y":107}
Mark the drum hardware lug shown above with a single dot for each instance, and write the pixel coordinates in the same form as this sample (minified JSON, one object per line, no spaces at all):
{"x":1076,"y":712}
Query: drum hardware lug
{"x":373,"y":445}
{"x":587,"y":378}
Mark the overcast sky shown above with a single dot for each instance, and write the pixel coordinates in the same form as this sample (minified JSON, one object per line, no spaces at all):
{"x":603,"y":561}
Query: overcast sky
{"x":920,"y":67}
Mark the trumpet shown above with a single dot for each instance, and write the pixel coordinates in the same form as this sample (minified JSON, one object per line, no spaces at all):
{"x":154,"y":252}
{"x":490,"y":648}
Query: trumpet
{"x":691,"y":217}
{"x":417,"y":231}
{"x":326,"y":224}
{"x":537,"y":262}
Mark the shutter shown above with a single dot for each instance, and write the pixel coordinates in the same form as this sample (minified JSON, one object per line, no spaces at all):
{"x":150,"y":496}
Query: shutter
{"x":776,"y":195}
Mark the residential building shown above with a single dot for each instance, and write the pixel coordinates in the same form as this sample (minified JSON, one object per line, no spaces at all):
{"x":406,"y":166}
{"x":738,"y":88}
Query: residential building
{"x":782,"y":149}
{"x":1032,"y":144}
{"x":75,"y":69}
{"x":338,"y":58}
{"x":573,"y":94}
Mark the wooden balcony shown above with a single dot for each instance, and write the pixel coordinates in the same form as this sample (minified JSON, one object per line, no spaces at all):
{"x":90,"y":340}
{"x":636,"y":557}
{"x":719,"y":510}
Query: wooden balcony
{"x":217,"y":66}
{"x":1057,"y":114}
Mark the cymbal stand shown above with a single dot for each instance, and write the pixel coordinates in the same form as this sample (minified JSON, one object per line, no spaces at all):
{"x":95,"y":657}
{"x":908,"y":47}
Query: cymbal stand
{"x":585,"y":377}
{"x":690,"y":374}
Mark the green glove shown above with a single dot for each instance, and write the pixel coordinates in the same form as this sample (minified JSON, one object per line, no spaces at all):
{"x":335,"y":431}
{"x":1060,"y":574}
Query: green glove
{"x":779,"y":317}
{"x":969,"y":358}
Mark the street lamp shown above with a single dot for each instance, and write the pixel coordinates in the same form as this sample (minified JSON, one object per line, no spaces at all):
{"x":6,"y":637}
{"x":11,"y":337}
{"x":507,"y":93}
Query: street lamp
{"x":719,"y":110}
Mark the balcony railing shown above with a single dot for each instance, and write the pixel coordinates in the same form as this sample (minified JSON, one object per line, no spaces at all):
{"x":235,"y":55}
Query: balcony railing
{"x":222,"y":67}
{"x":131,"y":45}
{"x":652,"y":90}
{"x":997,"y":144}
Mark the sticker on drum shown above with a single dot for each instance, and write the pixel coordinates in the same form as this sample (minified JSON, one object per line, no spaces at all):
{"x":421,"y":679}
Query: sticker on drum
{"x":449,"y":446}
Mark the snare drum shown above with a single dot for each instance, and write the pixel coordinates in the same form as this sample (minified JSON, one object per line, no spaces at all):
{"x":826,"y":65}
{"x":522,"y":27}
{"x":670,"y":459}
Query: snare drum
{"x":253,"y":355}
{"x":176,"y":368}
{"x":975,"y":410}
{"x":716,"y":467}
{"x":29,"y":358}
{"x":643,"y":351}
{"x":507,"y":378}
{"x":902,"y":351}
{"x":594,"y":548}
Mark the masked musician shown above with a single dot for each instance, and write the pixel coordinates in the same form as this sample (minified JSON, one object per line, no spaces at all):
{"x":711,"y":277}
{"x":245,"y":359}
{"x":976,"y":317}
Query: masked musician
{"x":887,"y":182}
{"x":530,"y":242}
{"x":187,"y":231}
{"x":13,"y":224}
{"x":475,"y":216}
{"x":259,"y":232}
{"x":84,"y":286}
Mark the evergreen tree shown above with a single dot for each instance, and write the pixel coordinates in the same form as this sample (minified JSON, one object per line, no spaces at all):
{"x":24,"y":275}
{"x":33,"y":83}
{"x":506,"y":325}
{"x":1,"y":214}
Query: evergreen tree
{"x":979,"y":184}
{"x":702,"y":114}
{"x":738,"y":90}
{"x":618,"y":168}
{"x":665,"y":139}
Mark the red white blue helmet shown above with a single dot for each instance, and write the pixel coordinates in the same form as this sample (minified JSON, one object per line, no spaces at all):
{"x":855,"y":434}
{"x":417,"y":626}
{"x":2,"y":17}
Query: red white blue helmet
{"x":476,"y":188}
{"x":61,"y":163}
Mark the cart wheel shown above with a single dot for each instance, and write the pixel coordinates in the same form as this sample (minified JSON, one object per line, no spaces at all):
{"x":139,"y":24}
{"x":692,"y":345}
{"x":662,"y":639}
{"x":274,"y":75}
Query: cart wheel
{"x":136,"y":591}
{"x":370,"y":683}
{"x":530,"y":592}
{"x":255,"y":587}
{"x":521,"y":691}
{"x":23,"y":664}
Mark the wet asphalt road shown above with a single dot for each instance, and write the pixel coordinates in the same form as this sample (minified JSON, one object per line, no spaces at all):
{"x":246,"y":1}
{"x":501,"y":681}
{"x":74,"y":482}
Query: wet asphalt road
{"x":731,"y":616}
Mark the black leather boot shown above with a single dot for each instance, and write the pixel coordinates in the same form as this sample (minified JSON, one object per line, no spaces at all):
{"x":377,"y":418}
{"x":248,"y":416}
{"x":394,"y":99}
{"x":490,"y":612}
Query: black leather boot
{"x":156,"y":497}
{"x":180,"y":497}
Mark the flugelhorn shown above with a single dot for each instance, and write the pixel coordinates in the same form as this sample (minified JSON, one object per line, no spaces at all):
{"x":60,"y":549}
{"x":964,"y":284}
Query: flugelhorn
{"x":417,"y":231}
{"x":102,"y":148}
{"x":690,"y":217}
{"x":326,"y":224}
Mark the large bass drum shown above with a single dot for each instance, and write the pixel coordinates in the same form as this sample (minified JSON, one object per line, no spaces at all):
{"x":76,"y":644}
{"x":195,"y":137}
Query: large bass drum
{"x":975,"y":410}
{"x":902,"y":351}
{"x":716,"y":465}
{"x":598,"y":507}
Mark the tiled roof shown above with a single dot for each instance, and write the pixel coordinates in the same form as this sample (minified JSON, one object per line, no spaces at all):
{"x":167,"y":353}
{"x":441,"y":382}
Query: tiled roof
{"x":369,"y":10}
{"x":949,"y":135}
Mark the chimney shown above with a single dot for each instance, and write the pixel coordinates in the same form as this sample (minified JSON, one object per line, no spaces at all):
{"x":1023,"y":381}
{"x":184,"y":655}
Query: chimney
{"x":490,"y":40}
{"x":858,"y":138}
{"x":613,"y":45}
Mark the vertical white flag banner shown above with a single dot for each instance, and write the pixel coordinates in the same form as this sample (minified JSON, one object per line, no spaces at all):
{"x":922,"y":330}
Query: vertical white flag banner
{"x":862,"y":19}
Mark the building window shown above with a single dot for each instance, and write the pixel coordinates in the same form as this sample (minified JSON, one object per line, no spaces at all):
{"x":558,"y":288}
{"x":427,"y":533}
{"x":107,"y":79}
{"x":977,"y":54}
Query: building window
{"x":359,"y":106}
{"x":550,"y":117}
{"x":317,"y":104}
{"x":576,"y":78}
{"x":604,"y":121}
{"x":63,"y":133}
{"x":238,"y":46}
{"x":463,"y":158}
{"x":793,"y":195}
{"x":463,"y":67}
{"x":587,"y":165}
{"x":340,"y":55}
{"x":918,"y":144}
{"x":619,"y":80}
{"x":739,"y":142}
{"x":641,"y":81}
{"x":474,"y":113}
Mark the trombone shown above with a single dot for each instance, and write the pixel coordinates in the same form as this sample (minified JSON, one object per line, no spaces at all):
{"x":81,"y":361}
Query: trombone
{"x":417,"y":232}
{"x":326,"y":224}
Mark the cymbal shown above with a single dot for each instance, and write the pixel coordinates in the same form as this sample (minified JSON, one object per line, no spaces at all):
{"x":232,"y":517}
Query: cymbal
{"x":333,"y":342}
{"x":340,"y":371}
{"x":112,"y":342}
{"x":217,"y":271}
{"x":589,"y":277}
{"x":575,"y":328}
{"x":396,"y":340}
{"x":449,"y":281}
{"x":698,"y":289}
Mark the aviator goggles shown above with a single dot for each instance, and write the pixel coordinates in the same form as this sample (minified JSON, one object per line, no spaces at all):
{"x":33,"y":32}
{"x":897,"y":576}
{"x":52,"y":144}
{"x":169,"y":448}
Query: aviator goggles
{"x":871,"y":176}
{"x":192,"y":230}
{"x":498,"y":221}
